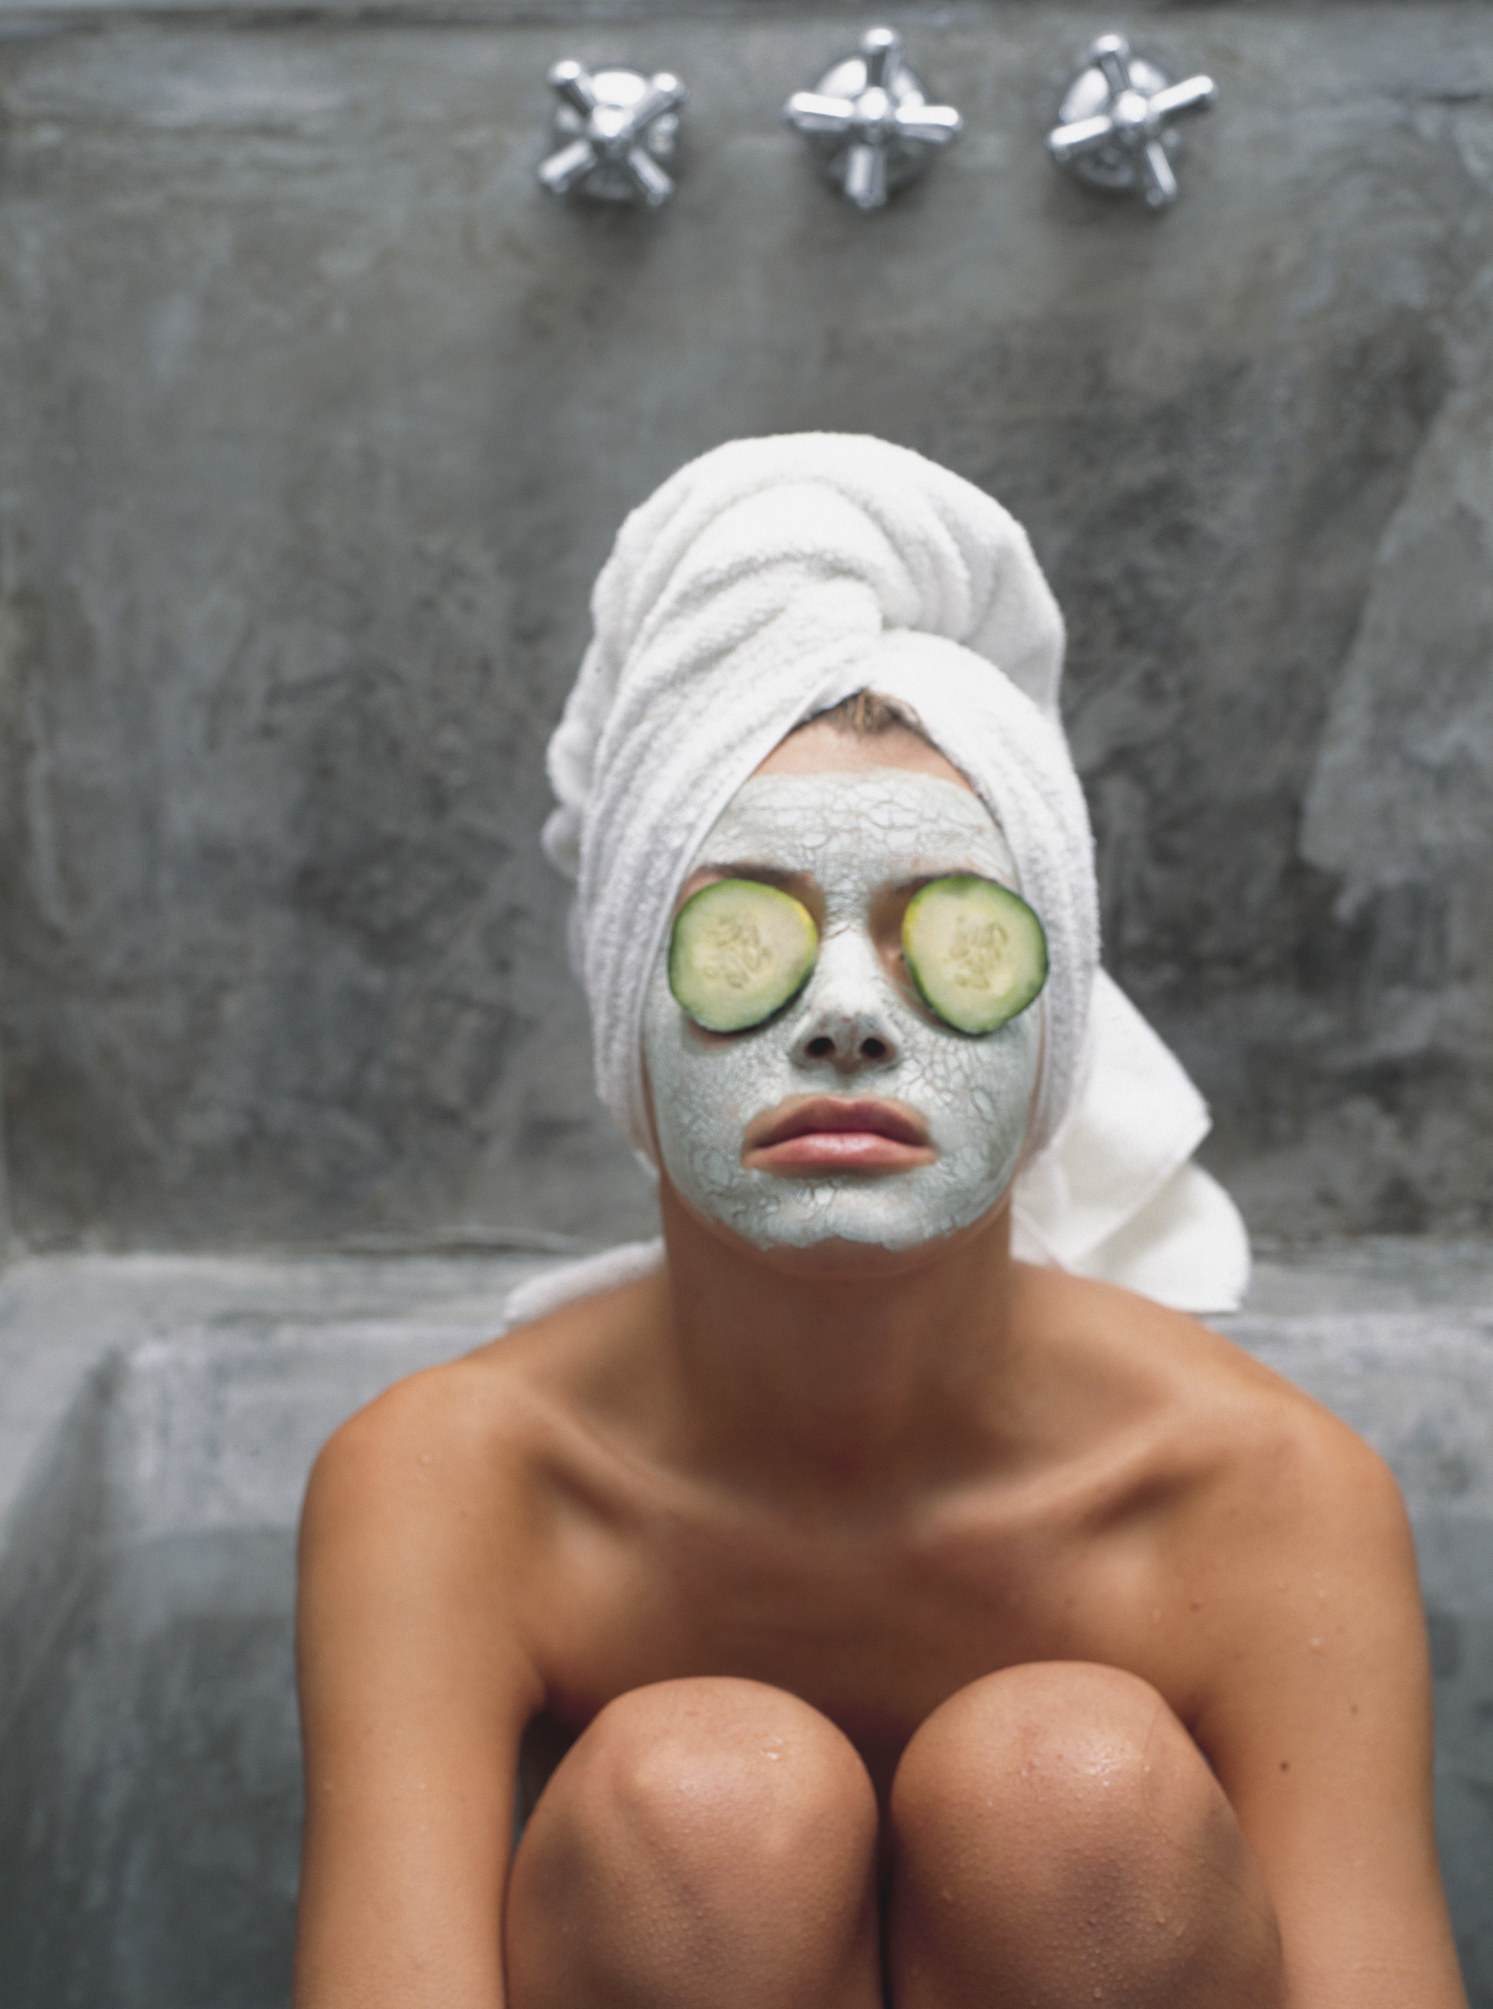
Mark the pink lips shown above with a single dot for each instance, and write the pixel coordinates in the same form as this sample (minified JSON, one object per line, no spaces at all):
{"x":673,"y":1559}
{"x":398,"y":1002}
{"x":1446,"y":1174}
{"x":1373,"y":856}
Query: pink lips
{"x":829,"y":1133}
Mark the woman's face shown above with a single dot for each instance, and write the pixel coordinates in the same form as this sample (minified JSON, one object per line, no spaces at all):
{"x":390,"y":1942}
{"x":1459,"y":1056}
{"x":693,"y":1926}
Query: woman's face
{"x":854,"y":1117}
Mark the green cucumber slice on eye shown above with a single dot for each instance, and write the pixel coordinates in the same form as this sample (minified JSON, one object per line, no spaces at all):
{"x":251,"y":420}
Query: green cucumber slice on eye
{"x":975,"y":950}
{"x":740,"y":950}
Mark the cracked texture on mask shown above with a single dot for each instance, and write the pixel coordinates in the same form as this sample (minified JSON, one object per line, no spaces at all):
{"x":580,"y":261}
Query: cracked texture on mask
{"x":856,"y":834}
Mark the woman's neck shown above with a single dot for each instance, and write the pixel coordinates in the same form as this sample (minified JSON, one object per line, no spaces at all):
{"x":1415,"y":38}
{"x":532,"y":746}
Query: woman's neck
{"x":812,"y":1378}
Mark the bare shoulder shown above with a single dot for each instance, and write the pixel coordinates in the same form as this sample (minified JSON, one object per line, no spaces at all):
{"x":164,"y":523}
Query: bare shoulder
{"x":419,"y":1457}
{"x":436,"y":1428}
{"x":1228,"y":1427}
{"x":1263,"y":1527}
{"x":1273,"y":1470}
{"x":454,"y":1471}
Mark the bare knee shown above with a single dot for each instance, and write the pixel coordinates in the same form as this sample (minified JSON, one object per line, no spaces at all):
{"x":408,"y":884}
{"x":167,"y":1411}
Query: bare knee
{"x":714,"y":1771}
{"x":1058,"y":1821}
{"x":699,"y":1829}
{"x":1085,"y":1768}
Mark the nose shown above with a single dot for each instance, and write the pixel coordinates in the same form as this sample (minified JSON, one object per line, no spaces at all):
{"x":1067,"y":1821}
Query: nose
{"x":844,"y":1022}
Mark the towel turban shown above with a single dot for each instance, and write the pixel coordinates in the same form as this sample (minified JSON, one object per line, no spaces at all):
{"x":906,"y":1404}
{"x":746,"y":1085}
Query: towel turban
{"x":762,"y":584}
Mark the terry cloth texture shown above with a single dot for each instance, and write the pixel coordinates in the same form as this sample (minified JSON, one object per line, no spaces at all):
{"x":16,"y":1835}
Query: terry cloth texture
{"x":761,"y":584}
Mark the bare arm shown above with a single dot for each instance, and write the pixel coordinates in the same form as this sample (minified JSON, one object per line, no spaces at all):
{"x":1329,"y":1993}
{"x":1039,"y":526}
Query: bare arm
{"x":414,"y":1694}
{"x":1318,"y":1722}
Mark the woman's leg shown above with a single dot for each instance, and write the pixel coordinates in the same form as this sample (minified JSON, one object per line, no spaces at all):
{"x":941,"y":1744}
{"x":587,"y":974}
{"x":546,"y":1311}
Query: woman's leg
{"x":1058,"y":1839}
{"x":706,"y":1844}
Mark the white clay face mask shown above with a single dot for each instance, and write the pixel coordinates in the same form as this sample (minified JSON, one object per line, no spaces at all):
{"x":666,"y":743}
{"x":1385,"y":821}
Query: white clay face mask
{"x":854,"y":1114}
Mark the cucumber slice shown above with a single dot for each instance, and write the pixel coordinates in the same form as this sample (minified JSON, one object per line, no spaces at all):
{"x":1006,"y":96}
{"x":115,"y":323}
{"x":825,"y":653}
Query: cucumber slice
{"x":740,"y":950}
{"x":975,"y":950}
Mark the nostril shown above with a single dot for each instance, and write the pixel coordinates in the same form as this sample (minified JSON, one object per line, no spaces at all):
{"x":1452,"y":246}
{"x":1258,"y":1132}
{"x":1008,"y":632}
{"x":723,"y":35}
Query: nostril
{"x":873,"y":1049}
{"x":820,"y":1048}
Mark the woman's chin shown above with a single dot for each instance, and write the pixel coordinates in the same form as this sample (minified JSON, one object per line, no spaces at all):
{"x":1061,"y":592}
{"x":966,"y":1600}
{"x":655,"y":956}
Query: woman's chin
{"x":861,"y":1232}
{"x":850,"y":1258}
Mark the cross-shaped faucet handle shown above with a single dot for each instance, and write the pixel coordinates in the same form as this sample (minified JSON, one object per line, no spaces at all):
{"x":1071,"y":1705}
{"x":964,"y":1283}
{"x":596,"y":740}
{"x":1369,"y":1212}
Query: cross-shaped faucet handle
{"x":1116,"y":127}
{"x":616,"y":126}
{"x":869,"y":121}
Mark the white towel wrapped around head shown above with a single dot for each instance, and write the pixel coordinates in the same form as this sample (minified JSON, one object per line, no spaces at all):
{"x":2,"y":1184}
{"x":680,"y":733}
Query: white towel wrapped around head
{"x":762,"y":584}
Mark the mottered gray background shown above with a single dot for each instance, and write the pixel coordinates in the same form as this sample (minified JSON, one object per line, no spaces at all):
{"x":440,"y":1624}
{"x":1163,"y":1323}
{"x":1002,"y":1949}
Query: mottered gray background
{"x":317,"y":416}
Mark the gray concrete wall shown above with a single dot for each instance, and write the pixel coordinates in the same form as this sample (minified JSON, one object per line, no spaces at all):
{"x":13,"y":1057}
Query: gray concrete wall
{"x":316,"y":417}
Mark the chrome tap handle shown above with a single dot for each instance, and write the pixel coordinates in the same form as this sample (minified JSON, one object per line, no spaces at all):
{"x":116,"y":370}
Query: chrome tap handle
{"x":654,"y":187}
{"x":1117,"y":125}
{"x":1157,"y":179}
{"x":1176,"y":101}
{"x":567,"y":166}
{"x":1111,"y":53}
{"x":616,"y":128}
{"x":932,"y":125}
{"x":664,"y":94}
{"x":881,"y":51}
{"x":865,"y":175}
{"x":813,"y":112}
{"x":572,"y":86}
{"x":868,"y":121}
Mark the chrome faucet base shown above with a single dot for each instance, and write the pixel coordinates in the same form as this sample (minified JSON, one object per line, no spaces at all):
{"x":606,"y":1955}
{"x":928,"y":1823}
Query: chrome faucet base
{"x":1116,"y":126}
{"x":616,"y":127}
{"x":868,"y":121}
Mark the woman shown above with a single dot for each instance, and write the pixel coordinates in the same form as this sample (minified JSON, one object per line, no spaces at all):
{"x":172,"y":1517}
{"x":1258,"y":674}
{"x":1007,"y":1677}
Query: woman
{"x":867,"y":1615}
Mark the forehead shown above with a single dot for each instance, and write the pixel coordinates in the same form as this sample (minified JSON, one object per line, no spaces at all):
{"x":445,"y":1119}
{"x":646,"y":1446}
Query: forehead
{"x":874,"y":825}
